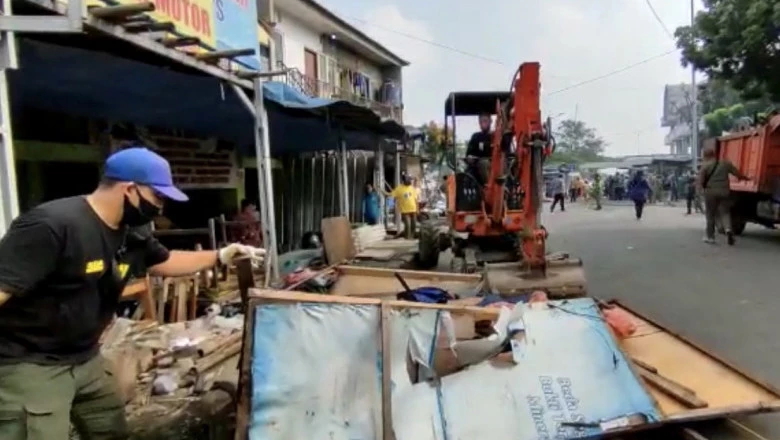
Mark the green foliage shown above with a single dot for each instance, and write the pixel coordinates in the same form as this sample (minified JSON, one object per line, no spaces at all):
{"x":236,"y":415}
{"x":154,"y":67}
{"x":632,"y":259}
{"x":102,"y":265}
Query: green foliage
{"x":723,"y":108}
{"x":436,"y":141}
{"x":576,"y":142}
{"x":736,"y":41}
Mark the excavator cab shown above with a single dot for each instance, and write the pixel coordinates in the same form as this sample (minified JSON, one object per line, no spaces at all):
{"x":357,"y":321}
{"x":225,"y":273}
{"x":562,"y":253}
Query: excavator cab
{"x":466,"y":185}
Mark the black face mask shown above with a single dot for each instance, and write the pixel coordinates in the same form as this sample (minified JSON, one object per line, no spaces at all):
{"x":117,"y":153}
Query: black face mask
{"x":144,"y":213}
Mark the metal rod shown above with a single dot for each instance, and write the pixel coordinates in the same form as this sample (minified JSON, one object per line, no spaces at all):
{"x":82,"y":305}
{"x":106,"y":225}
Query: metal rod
{"x":265,"y":184}
{"x":216,"y":56}
{"x":694,"y":104}
{"x":121,"y":11}
{"x":250,"y":106}
{"x":9,"y":201}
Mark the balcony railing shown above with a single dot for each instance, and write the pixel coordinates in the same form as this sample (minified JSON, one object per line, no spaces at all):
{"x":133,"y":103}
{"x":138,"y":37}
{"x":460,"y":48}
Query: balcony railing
{"x":321,"y":89}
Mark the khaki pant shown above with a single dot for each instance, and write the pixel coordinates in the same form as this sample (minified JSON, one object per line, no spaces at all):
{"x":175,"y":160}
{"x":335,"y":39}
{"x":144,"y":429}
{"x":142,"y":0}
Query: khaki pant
{"x":39,"y":402}
{"x":717,"y":208}
{"x":410,"y":224}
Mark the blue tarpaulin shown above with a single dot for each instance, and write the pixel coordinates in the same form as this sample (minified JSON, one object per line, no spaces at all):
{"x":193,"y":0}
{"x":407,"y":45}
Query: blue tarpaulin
{"x":101,"y":85}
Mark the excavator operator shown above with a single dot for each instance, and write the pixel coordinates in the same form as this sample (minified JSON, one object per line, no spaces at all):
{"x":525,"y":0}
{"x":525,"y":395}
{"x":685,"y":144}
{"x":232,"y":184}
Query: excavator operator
{"x":479,"y":149}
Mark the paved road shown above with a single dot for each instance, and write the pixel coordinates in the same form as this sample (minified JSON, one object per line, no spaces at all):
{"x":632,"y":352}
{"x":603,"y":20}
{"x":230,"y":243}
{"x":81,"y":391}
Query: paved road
{"x":725,"y":298}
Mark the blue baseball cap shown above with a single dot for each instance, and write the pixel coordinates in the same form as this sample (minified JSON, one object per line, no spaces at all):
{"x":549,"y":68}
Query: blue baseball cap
{"x":145,"y":167}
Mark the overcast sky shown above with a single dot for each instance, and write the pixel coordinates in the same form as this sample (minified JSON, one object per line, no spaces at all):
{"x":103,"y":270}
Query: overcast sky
{"x":574,"y":41}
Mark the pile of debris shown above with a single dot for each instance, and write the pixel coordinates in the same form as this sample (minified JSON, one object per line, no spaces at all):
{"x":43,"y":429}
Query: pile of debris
{"x":176,"y":360}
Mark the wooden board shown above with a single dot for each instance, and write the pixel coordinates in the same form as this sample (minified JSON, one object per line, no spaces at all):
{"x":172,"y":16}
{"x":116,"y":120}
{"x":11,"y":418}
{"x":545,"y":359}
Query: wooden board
{"x":724,"y":387}
{"x":337,"y":239}
{"x":381,"y":283}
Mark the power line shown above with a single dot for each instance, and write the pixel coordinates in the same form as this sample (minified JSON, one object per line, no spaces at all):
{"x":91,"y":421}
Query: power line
{"x":501,"y":63}
{"x":658,"y":19}
{"x":612,"y":73}
{"x":432,"y":43}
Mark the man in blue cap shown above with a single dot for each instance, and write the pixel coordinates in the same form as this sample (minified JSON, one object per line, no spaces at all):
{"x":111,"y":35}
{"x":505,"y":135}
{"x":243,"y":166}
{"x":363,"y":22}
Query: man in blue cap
{"x":63,"y":266}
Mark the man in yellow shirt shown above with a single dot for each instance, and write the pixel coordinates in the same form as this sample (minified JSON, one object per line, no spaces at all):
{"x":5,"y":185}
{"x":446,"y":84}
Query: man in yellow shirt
{"x":405,"y":196}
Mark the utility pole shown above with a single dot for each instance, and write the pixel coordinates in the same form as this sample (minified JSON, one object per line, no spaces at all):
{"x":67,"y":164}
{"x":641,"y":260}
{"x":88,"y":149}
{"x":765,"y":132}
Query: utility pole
{"x":694,"y":105}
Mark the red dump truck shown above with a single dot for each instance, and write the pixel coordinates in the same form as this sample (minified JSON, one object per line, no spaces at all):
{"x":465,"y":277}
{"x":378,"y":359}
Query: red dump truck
{"x":756,"y":152}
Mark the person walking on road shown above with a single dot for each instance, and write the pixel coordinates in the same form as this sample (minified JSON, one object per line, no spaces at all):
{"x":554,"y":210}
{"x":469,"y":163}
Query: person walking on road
{"x":692,"y":201}
{"x":63,"y":267}
{"x":713,"y":180}
{"x":638,"y":191}
{"x":559,"y":193}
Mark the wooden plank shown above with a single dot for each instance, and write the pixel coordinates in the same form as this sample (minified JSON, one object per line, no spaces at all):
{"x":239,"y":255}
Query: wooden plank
{"x":408,"y":274}
{"x":644,"y":321}
{"x":711,"y":378}
{"x":678,"y":392}
{"x":480,"y":313}
{"x":337,"y":239}
{"x":387,"y":397}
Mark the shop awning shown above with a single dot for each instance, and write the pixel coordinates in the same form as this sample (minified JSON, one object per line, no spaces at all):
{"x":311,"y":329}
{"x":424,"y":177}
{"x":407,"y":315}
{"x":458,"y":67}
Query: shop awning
{"x":98,"y":84}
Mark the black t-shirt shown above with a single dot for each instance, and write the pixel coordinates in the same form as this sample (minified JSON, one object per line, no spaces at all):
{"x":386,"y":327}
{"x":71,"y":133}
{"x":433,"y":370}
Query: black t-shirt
{"x":65,"y":271}
{"x":480,"y":144}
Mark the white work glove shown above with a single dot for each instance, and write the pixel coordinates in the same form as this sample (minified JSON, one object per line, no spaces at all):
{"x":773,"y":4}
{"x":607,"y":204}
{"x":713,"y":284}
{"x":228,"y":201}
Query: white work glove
{"x":236,"y":250}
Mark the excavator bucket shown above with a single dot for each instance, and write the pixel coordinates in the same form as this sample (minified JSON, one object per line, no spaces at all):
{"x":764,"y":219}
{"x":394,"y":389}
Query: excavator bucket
{"x":564,"y":277}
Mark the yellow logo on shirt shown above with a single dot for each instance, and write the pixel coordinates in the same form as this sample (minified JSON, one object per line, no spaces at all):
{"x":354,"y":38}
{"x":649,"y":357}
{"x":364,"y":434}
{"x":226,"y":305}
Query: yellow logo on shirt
{"x":123,"y":270}
{"x":95,"y":266}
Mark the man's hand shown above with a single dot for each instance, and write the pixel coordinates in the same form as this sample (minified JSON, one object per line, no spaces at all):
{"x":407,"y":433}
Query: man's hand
{"x":236,"y":250}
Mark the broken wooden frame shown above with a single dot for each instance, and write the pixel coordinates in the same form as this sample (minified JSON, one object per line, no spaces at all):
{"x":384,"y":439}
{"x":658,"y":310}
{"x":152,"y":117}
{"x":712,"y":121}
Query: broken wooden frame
{"x":652,"y":347}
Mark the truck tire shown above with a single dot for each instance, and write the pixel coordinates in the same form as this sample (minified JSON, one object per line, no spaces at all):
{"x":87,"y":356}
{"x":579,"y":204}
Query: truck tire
{"x":428,"y":245}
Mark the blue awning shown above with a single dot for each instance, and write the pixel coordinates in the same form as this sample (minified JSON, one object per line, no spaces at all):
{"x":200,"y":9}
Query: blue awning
{"x":101,"y":85}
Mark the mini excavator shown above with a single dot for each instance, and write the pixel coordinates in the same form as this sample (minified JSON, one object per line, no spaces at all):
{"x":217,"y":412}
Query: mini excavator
{"x":499,"y":220}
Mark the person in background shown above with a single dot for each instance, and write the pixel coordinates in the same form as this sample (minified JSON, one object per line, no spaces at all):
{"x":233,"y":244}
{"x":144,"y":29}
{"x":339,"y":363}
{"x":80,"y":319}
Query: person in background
{"x":559,"y":193}
{"x":574,"y":190}
{"x":479,"y":149}
{"x":248,"y":232}
{"x":371,"y":205}
{"x":638,"y":191}
{"x":596,"y":191}
{"x":405,"y":196}
{"x":691,"y":197}
{"x":713,"y":181}
{"x":63,"y":267}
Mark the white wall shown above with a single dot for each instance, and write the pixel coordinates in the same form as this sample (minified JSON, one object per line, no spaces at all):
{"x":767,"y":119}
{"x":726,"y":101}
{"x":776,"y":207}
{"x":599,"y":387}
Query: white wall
{"x":296,"y":38}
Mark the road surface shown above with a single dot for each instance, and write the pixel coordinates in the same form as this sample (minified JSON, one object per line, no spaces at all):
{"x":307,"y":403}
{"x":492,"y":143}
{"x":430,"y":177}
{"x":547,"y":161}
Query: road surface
{"x":725,"y":298}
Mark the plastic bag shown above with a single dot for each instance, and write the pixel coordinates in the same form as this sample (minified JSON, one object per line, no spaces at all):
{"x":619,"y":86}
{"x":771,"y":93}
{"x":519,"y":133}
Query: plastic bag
{"x":620,"y":322}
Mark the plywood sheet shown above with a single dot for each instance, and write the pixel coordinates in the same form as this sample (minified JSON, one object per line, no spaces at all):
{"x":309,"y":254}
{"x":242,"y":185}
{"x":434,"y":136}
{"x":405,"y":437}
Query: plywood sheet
{"x":714,"y":381}
{"x":337,"y":239}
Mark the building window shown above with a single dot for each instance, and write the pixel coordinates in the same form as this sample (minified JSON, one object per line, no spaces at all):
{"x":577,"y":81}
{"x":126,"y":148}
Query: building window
{"x":265,"y":58}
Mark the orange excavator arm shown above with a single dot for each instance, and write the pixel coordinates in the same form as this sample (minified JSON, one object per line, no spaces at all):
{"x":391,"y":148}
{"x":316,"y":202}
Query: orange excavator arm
{"x":532,"y":146}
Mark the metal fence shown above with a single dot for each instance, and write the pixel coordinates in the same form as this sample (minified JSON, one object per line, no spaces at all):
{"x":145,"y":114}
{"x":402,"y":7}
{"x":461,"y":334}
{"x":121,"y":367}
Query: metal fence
{"x":307,"y":190}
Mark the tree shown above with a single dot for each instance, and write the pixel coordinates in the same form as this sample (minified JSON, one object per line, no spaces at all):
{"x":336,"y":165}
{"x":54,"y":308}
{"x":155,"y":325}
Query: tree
{"x":436,"y":142}
{"x":576,"y":141}
{"x":723,"y":108}
{"x":736,"y":41}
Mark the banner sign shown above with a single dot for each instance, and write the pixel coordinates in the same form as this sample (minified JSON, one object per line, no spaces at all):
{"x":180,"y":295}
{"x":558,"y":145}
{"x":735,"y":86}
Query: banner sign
{"x":219,"y":24}
{"x":235,"y":22}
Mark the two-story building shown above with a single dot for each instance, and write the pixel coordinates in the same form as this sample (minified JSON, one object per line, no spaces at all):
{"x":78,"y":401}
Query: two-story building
{"x":678,"y":99}
{"x":325,"y":56}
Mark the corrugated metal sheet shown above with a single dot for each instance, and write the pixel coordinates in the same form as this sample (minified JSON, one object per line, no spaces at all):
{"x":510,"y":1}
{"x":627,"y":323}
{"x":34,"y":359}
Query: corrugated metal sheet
{"x":307,"y":190}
